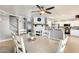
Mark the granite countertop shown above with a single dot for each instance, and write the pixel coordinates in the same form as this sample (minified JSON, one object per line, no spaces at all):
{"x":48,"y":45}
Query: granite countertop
{"x":72,"y":27}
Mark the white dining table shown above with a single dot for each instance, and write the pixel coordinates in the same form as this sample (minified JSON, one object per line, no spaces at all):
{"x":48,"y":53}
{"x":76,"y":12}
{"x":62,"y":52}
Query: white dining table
{"x":41,"y":45}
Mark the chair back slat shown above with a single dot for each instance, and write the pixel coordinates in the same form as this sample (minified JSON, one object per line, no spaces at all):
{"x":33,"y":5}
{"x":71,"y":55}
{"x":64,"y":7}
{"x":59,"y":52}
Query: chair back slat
{"x":19,"y":42}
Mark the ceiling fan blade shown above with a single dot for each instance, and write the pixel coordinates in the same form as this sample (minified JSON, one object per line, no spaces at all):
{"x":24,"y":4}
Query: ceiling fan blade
{"x":48,"y":12}
{"x":50,"y":8}
{"x":38,"y":7}
{"x":35,"y":11}
{"x":42,"y":7}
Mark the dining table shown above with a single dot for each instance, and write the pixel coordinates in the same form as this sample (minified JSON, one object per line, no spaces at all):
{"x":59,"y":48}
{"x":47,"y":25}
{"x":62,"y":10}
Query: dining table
{"x":40,"y":44}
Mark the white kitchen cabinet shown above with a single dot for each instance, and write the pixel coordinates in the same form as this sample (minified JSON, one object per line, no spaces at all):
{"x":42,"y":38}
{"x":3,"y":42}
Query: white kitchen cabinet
{"x":39,"y":25}
{"x":39,"y":20}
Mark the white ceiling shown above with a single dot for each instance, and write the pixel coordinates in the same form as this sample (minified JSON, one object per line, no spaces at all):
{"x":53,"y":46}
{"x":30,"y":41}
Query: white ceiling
{"x":60,"y":11}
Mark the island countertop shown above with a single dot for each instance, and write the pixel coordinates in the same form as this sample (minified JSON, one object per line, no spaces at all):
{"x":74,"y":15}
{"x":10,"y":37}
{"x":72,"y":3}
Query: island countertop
{"x":74,"y":32}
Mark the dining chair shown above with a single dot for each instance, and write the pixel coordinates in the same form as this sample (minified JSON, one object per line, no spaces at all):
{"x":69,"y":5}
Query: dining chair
{"x":19,"y":43}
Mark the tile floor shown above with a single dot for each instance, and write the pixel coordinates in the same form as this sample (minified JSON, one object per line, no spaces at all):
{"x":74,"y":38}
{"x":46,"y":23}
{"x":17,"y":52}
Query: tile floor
{"x":72,"y":45}
{"x":42,"y":45}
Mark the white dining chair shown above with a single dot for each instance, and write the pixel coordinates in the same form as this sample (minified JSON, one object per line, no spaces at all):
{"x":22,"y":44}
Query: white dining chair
{"x":62,"y":44}
{"x":19,"y":44}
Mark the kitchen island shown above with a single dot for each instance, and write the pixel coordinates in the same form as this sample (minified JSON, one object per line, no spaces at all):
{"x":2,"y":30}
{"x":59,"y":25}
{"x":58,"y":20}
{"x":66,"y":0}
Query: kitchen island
{"x":74,"y":32}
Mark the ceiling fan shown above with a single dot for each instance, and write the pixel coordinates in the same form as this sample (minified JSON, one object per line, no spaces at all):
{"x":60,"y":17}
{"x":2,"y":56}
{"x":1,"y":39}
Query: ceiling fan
{"x":43,"y":10}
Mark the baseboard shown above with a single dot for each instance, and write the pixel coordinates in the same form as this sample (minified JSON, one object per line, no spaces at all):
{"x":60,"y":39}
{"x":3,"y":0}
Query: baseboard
{"x":5,"y":40}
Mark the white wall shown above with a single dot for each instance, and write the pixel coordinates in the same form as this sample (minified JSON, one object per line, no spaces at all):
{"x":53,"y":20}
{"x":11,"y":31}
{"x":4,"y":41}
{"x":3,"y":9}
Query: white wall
{"x":73,"y":23}
{"x":4,"y":26}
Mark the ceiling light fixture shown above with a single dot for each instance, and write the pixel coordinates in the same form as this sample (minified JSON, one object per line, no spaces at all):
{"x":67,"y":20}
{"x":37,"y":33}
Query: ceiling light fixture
{"x":42,"y":12}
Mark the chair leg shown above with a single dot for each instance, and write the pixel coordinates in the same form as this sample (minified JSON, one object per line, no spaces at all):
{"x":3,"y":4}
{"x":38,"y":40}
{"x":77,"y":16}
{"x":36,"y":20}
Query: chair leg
{"x":15,"y":50}
{"x":26,"y":51}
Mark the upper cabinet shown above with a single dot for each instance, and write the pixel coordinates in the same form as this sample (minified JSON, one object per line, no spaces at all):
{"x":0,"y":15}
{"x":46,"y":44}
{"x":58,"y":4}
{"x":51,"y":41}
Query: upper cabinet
{"x":18,"y":24}
{"x":13,"y":21}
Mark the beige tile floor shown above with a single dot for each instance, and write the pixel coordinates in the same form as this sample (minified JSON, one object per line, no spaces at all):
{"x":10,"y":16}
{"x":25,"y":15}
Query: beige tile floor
{"x":7,"y":46}
{"x":72,"y":45}
{"x":42,"y":45}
